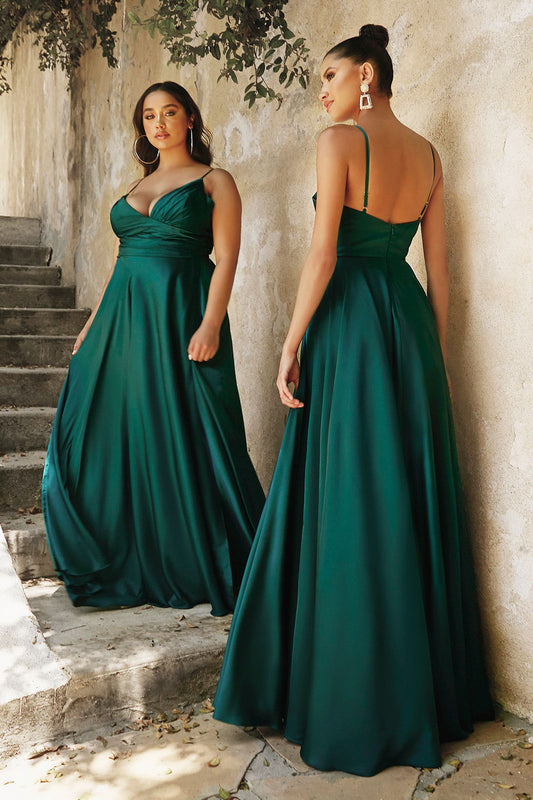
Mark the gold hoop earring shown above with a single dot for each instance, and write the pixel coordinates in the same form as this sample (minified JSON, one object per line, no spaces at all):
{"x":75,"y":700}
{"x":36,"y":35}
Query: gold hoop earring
{"x":136,"y":154}
{"x":365,"y":101}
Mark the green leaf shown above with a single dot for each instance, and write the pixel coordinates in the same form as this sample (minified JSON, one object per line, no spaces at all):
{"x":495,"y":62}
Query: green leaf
{"x":134,"y":18}
{"x":223,"y":794}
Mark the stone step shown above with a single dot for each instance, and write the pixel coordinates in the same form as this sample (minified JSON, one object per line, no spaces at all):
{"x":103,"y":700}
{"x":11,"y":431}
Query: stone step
{"x":20,"y":479}
{"x":20,"y":230}
{"x":13,"y":296}
{"x":26,"y":539}
{"x":28,"y":254}
{"x":53,"y":321}
{"x":25,"y":428}
{"x":119,"y":662}
{"x":30,"y":275}
{"x":21,"y":386}
{"x":21,"y":351}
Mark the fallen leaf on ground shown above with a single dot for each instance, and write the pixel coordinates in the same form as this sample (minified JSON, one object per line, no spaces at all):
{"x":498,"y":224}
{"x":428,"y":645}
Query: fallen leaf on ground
{"x":525,"y":745}
{"x":507,"y":757}
{"x":113,"y":756}
{"x":505,"y":785}
{"x":455,"y":762}
{"x":223,"y":794}
{"x":101,"y":739}
{"x":214,"y":762}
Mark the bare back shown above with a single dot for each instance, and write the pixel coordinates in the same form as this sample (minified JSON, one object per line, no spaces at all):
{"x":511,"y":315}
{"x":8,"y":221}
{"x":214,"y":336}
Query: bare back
{"x":403,"y":170}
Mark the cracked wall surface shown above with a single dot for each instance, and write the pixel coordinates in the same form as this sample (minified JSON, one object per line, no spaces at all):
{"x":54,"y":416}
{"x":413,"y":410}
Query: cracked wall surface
{"x":462,"y":80}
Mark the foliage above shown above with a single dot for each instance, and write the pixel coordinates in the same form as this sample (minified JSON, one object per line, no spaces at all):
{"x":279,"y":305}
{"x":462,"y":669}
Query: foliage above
{"x":64,"y":30}
{"x":249,"y":36}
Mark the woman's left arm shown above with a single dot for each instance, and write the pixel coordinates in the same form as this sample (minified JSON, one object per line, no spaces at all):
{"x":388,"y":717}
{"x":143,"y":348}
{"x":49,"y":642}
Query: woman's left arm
{"x":226,"y":238}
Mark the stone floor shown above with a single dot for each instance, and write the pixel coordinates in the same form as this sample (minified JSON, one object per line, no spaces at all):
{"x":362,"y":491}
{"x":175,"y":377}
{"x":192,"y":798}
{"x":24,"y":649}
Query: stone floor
{"x":190,"y":756}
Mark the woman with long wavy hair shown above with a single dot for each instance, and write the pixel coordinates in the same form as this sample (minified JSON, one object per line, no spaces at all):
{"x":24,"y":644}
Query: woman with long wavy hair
{"x":149,"y":495}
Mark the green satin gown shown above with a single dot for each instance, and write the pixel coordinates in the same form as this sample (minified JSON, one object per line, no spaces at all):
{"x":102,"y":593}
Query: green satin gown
{"x":356,"y":631}
{"x":149,"y":495}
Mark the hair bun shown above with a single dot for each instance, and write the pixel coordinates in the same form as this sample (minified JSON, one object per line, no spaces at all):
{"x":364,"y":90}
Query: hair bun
{"x":377,"y":33}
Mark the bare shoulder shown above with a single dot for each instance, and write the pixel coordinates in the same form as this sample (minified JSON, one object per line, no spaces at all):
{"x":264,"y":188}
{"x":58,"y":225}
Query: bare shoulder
{"x":219,"y":180}
{"x":339,"y":141}
{"x":339,"y":135}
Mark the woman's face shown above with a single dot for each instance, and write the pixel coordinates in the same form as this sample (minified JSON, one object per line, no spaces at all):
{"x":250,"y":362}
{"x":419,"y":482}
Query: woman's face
{"x":165,"y":121}
{"x":339,"y":94}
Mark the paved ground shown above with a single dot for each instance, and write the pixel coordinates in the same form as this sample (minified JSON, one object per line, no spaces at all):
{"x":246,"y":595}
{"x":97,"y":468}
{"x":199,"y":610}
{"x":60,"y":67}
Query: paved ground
{"x":190,"y":756}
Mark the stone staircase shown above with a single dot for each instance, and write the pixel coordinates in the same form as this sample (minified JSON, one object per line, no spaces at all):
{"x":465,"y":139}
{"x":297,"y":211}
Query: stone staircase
{"x":65,"y":669}
{"x":38,"y":325}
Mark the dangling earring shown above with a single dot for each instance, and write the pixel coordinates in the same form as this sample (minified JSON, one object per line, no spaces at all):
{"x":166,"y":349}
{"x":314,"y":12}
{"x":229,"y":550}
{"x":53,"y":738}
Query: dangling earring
{"x":137,"y":156}
{"x":365,"y":101}
{"x":191,"y":139}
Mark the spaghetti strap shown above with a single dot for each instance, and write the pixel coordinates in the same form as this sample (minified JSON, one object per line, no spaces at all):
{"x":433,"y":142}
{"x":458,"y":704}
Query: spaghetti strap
{"x":207,"y":173}
{"x":367,"y":153}
{"x":133,"y":187}
{"x":426,"y":204}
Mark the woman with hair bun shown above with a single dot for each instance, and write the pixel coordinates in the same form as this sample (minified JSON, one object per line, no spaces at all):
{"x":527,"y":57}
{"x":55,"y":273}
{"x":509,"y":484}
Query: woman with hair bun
{"x":356,"y":631}
{"x":149,"y":495}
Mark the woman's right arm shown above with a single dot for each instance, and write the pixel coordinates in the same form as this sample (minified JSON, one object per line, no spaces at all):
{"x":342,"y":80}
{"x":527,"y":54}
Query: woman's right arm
{"x":83,"y":333}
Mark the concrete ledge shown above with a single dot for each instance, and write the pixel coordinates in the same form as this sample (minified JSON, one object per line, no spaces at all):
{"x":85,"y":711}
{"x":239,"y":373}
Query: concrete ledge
{"x":25,"y":428}
{"x":26,"y":540}
{"x":120,"y":663}
{"x":25,"y":254}
{"x":20,"y":479}
{"x":47,"y":321}
{"x":10,"y":273}
{"x":22,"y":386}
{"x":20,"y":230}
{"x":14,"y":296}
{"x":27,"y":665}
{"x":42,"y":351}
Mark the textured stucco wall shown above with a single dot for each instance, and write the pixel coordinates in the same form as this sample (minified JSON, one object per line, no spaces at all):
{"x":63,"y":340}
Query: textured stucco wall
{"x":462,"y":80}
{"x":39,"y":155}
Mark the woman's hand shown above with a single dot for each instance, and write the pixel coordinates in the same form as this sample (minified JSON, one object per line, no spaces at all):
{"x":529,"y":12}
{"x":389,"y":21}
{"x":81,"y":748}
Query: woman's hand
{"x":80,"y":339}
{"x":289,"y":372}
{"x":204,"y":342}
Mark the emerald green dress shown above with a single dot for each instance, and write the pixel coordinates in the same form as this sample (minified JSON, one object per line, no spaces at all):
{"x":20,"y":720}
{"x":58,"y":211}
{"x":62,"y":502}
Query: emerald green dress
{"x":356,"y":631}
{"x":149,"y":495}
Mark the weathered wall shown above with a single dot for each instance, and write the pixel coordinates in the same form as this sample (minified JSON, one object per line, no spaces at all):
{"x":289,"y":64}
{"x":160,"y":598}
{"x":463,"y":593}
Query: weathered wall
{"x":462,"y":80}
{"x":39,"y":154}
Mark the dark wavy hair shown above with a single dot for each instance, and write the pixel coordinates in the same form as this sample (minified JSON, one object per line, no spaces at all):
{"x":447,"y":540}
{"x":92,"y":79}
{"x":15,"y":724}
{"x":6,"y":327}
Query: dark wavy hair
{"x":370,"y":45}
{"x":201,"y":135}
